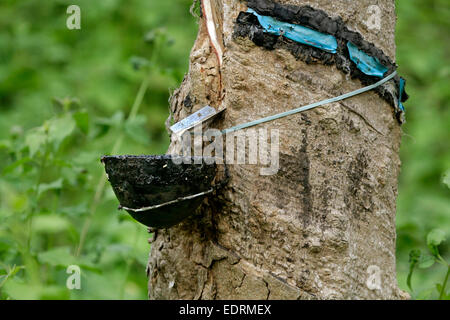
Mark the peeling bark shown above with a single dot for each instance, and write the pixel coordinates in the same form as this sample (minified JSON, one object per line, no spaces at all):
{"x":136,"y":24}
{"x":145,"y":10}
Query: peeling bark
{"x":312,"y":230}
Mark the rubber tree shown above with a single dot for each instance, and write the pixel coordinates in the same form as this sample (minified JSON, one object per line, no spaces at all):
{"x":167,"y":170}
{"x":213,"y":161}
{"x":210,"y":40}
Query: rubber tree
{"x":323,"y":226}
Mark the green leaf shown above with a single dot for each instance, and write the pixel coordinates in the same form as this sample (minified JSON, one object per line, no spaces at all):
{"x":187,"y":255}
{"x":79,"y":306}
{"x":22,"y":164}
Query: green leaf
{"x":426,"y":262}
{"x":82,"y":121}
{"x":135,"y":129}
{"x":139,"y":62}
{"x":50,"y":223}
{"x":66,"y":104}
{"x":21,"y":290}
{"x":115,"y":121}
{"x":15,"y":269}
{"x":35,"y":139}
{"x":434,"y":238}
{"x":61,"y":128}
{"x":74,"y":103}
{"x":58,"y":102}
{"x":103,"y":125}
{"x":57,"y":257}
{"x":414,"y":257}
{"x":61,"y":257}
{"x":446,"y":179}
{"x":16,"y":164}
{"x":55,"y":185}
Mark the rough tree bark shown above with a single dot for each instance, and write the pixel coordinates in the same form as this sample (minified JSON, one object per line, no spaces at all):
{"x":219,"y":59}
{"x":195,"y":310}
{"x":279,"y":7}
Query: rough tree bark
{"x":322,"y":225}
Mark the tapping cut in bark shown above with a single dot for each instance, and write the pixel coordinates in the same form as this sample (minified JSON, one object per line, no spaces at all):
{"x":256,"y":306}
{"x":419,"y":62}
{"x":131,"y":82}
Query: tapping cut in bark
{"x":211,"y":12}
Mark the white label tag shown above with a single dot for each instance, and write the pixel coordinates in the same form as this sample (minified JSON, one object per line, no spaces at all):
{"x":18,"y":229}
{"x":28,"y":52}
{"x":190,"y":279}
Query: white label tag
{"x":191,"y":121}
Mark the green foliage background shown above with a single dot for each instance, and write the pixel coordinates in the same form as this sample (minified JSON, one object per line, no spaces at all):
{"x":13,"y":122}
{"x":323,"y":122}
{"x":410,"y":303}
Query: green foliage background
{"x":66,"y":98}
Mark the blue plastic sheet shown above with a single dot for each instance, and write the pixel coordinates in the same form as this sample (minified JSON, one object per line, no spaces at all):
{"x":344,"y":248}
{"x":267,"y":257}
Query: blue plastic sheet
{"x":401,"y":89}
{"x":297,"y":33}
{"x":367,"y":64}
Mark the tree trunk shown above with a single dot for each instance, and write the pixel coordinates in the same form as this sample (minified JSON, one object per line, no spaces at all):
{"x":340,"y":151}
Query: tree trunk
{"x":322,"y":227}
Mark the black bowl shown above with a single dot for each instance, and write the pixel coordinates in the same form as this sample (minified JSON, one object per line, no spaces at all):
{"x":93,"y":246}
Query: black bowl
{"x":173,"y":191}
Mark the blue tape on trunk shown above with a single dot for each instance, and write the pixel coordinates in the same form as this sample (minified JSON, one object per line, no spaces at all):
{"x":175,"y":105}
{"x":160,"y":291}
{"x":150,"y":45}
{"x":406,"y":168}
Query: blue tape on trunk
{"x":297,"y":33}
{"x":401,"y":89}
{"x":367,"y":64}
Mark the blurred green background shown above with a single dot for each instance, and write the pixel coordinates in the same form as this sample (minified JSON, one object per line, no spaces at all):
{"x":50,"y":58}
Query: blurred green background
{"x":68,"y":97}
